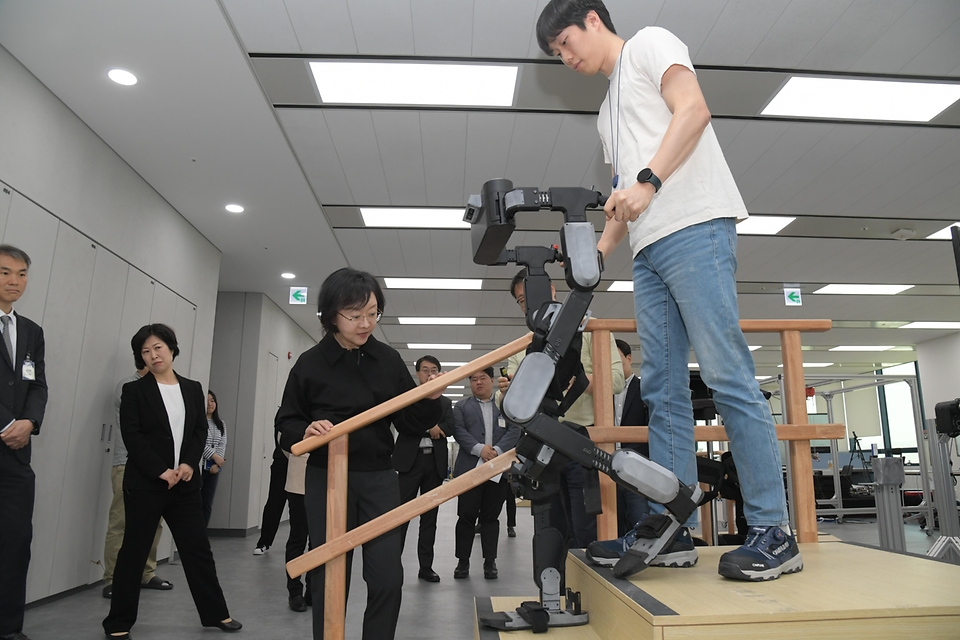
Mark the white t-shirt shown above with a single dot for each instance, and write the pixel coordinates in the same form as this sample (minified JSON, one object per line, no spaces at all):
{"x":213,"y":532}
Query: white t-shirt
{"x":702,"y":188}
{"x":176,"y":413}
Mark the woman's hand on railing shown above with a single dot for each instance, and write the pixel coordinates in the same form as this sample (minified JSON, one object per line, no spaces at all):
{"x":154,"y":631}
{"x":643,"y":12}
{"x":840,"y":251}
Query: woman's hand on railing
{"x":439,"y":393}
{"x":317,"y":428}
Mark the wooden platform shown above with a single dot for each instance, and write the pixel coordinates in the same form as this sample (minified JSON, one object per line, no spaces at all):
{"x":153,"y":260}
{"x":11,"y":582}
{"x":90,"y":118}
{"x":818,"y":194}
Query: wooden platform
{"x":844,"y":590}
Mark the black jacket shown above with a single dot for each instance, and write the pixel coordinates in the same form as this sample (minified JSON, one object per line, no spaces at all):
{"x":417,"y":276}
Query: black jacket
{"x":23,"y":399}
{"x":330,"y":383}
{"x":408,"y":443}
{"x":146,"y":433}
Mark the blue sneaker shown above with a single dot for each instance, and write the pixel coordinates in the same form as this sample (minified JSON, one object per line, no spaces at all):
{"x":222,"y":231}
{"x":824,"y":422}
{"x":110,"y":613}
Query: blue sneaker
{"x":767,"y":553}
{"x":679,"y":553}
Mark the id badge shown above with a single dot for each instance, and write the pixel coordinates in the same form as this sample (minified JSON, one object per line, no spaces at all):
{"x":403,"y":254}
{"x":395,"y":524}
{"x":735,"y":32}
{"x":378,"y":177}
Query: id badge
{"x":29,"y":370}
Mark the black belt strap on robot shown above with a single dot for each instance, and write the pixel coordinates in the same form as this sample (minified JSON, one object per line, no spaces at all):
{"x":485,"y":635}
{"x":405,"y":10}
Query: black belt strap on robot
{"x":538,"y":395}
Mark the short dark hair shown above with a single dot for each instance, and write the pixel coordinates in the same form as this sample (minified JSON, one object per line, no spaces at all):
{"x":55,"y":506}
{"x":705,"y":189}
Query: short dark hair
{"x":623,"y":346}
{"x":560,"y":14}
{"x":517,"y":279}
{"x":162,"y":331}
{"x":346,"y":289}
{"x":488,"y":371}
{"x":429,"y":359}
{"x":15,"y":253}
{"x":216,"y":412}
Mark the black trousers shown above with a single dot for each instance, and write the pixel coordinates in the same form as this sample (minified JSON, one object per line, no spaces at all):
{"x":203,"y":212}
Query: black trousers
{"x":17,"y":486}
{"x":297,"y":540}
{"x":423,"y":477}
{"x":369,"y":494}
{"x":511,"y":504}
{"x":276,"y":499}
{"x":483,"y":502}
{"x":208,"y":489}
{"x":568,"y":513}
{"x":182,"y":510}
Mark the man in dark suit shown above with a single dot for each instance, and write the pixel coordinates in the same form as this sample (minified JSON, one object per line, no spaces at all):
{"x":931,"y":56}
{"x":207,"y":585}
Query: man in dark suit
{"x":482,"y":435}
{"x":630,"y":411}
{"x":420,"y":459}
{"x":23,"y":398}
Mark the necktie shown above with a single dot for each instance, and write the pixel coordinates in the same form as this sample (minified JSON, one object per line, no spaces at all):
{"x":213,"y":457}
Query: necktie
{"x":6,"y":338}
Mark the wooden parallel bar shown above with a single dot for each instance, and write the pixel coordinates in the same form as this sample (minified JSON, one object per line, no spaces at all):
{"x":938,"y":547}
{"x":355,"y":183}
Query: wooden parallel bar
{"x":603,"y":413}
{"x":790,"y":432}
{"x":747,"y":326}
{"x":337,"y":547}
{"x":795,"y":411}
{"x":335,"y":577}
{"x":414,"y":395}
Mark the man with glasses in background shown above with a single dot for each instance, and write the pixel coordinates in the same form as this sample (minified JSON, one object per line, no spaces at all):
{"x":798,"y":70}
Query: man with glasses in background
{"x":420,"y":458}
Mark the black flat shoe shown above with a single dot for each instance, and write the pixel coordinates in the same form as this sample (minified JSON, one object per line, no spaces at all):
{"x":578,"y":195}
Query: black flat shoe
{"x":108,"y":591}
{"x":490,"y":569}
{"x":157,"y":583}
{"x":462,"y":571}
{"x":233,"y":625}
{"x":429,"y":575}
{"x":297,"y":603}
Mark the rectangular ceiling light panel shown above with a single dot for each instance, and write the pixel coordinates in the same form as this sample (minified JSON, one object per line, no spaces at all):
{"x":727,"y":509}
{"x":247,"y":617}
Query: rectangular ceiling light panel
{"x":429,"y":346}
{"x":763,"y":225}
{"x":407,"y":218}
{"x":621,"y":285}
{"x":853,"y":99}
{"x":407,"y":83}
{"x":440,"y":321}
{"x":943,"y":234}
{"x":864,"y":289}
{"x":931,"y":325}
{"x":434,"y":283}
{"x":861,"y":348}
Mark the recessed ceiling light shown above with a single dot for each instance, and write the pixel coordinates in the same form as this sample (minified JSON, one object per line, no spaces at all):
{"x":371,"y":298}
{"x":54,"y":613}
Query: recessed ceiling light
{"x":413,"y":218}
{"x":852,"y":99}
{"x":358,"y":82}
{"x":812,"y":365}
{"x":693,"y":365}
{"x":288,"y":275}
{"x":454,"y":364}
{"x":454,"y":387}
{"x":931,"y":325}
{"x":437,"y":345}
{"x":943,"y":234}
{"x":234,"y":208}
{"x":763,"y":225}
{"x":463,"y":321}
{"x":122,"y":76}
{"x":453,"y":395}
{"x":621,"y":285}
{"x":433,"y":283}
{"x":860,"y":348}
{"x":864,"y":289}
{"x":754,"y":347}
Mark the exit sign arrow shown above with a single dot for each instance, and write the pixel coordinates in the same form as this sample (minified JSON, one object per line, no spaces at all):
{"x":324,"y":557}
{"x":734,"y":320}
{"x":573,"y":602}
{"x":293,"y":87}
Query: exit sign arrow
{"x":298,"y":295}
{"x":791,"y":297}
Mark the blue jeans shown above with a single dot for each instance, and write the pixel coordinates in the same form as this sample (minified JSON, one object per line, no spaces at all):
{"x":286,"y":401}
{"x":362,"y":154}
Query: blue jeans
{"x":685,"y":296}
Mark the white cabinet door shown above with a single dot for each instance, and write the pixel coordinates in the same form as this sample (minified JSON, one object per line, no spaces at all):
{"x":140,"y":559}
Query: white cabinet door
{"x":185,"y":319}
{"x":6,"y":195}
{"x":164,"y":309}
{"x":63,"y":322}
{"x":35,"y":231}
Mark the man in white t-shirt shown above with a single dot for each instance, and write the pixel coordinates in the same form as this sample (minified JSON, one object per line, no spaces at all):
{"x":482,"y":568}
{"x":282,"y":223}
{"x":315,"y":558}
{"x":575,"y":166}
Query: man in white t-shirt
{"x":676,"y":198}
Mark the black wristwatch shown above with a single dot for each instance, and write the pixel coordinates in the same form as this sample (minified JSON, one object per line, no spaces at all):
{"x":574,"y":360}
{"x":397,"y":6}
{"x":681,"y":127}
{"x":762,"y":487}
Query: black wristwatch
{"x":647,"y":175}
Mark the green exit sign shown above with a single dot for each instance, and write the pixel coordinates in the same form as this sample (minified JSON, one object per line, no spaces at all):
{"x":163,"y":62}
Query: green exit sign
{"x":298,"y":295}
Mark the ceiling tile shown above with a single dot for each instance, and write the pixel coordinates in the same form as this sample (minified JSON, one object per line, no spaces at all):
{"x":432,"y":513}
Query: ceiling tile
{"x":503,"y":28}
{"x":739,"y":30}
{"x":442,"y":27}
{"x":355,"y":141}
{"x":854,"y":32}
{"x":796,"y":32}
{"x":322,"y":27}
{"x":398,"y":139}
{"x":444,"y":144}
{"x":311,"y":141}
{"x":382,"y":27}
{"x":263,"y":25}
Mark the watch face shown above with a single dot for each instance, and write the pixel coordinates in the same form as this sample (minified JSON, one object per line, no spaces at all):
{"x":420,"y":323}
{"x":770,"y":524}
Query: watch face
{"x":644,"y":175}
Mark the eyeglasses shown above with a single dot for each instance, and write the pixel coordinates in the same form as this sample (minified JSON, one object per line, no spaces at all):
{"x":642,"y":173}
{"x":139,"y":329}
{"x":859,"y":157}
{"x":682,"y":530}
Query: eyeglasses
{"x":373,"y":317}
{"x":429,"y":370}
{"x":521,"y":301}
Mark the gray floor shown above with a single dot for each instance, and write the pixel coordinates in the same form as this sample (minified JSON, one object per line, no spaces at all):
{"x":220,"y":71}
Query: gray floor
{"x":256,"y":594}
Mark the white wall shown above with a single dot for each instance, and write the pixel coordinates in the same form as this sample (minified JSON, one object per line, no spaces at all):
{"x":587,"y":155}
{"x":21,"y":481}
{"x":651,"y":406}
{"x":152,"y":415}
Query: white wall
{"x":939,"y":365}
{"x":252,"y":338}
{"x":109,"y":255}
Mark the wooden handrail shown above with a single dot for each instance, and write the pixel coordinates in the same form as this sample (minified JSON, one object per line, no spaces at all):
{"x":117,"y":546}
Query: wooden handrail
{"x":747,"y":326}
{"x":404,"y":513}
{"x":711,"y":433}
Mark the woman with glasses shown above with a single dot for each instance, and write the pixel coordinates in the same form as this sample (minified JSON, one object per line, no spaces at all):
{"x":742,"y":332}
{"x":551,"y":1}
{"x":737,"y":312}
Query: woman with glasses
{"x":346,"y":373}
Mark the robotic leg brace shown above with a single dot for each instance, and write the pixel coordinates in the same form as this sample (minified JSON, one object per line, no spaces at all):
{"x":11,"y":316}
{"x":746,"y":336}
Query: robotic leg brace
{"x":536,"y":394}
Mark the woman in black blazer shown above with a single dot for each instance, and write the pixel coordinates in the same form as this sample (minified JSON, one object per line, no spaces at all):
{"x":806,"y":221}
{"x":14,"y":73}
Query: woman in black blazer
{"x":164,"y":426}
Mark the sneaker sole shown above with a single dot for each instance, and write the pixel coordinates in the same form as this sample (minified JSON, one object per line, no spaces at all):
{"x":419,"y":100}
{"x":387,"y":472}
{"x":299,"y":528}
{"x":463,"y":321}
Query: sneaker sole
{"x":603,"y":562}
{"x":732,"y":571}
{"x":676,"y":560}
